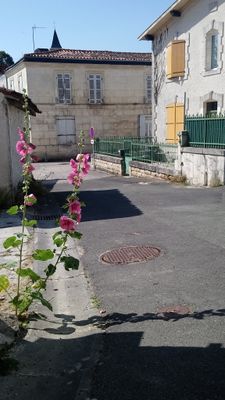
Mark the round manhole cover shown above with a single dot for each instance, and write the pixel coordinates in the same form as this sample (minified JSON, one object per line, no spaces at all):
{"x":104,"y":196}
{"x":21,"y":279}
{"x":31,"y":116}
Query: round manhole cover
{"x":130,"y":254}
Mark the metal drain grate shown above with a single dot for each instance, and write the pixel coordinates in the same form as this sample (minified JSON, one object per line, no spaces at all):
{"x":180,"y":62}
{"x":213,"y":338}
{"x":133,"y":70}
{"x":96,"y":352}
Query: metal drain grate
{"x":44,"y":217}
{"x":176,"y":309}
{"x":130,"y":254}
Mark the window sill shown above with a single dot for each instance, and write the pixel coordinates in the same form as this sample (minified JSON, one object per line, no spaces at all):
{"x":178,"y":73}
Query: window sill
{"x":210,"y":72}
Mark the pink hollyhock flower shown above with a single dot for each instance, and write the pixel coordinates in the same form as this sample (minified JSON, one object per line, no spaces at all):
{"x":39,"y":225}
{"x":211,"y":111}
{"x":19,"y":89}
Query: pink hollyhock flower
{"x":35,"y":158}
{"x":30,"y":200}
{"x":67,"y":224}
{"x":21,"y":134}
{"x":75,"y":207}
{"x":21,"y":148}
{"x":22,"y":160}
{"x":71,"y":177}
{"x":85,"y":168}
{"x":73,"y":164}
{"x":78,"y":218}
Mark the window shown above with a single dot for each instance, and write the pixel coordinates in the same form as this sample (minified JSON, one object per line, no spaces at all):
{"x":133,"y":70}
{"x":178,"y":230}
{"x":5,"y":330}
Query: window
{"x":20,"y":83}
{"x":212,"y":42}
{"x":65,"y":128}
{"x":211,"y":108}
{"x":63,"y":88}
{"x":148,"y":88}
{"x":95,"y":89}
{"x":176,"y":59}
{"x":145,"y":126}
{"x":11,"y":84}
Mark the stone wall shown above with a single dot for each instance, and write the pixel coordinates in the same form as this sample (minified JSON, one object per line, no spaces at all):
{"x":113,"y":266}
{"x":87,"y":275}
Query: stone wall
{"x":201,"y":166}
{"x":146,"y":170}
{"x":108,"y":164}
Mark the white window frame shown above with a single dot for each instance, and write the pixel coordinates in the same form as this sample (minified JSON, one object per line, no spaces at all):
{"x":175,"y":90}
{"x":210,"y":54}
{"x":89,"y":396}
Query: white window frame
{"x":212,"y":50}
{"x":64,"y":93}
{"x":20,"y":83}
{"x":95,"y":88}
{"x":214,"y":28}
{"x":11,"y":84}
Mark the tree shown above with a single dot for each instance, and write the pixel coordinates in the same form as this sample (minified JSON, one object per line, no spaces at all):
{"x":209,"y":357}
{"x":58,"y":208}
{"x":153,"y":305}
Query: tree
{"x":5,"y":61}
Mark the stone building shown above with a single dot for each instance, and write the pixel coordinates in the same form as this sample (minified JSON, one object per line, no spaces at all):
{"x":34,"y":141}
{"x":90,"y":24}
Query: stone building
{"x":188,"y":63}
{"x":79,"y":89}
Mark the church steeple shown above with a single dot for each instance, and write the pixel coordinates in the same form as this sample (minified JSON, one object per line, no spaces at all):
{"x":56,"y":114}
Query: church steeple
{"x":55,"y":42}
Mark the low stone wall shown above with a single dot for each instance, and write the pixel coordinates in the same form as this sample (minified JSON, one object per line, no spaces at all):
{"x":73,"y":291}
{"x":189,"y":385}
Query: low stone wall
{"x":202,"y":166}
{"x":108,"y":164}
{"x":145,"y":170}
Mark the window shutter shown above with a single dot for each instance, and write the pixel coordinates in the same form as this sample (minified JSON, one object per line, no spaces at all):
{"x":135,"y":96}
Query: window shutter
{"x":174,"y":121}
{"x":95,"y":89}
{"x":176,"y":59}
{"x":67,"y":88}
{"x":148,"y":88}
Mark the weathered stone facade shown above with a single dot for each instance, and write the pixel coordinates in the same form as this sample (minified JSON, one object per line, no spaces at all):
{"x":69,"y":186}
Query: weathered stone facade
{"x":108,"y":164}
{"x":119,"y":112}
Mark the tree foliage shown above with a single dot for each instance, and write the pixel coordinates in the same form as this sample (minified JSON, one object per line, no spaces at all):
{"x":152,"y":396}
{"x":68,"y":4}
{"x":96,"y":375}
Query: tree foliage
{"x":5,"y":60}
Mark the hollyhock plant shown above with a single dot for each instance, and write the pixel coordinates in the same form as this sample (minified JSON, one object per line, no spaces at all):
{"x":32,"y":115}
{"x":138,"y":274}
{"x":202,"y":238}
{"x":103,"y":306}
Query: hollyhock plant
{"x":67,"y":224}
{"x":75,"y":207}
{"x":30,"y":200}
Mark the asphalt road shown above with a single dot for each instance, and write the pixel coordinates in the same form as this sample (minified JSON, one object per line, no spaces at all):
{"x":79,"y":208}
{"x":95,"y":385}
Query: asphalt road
{"x":164,"y":318}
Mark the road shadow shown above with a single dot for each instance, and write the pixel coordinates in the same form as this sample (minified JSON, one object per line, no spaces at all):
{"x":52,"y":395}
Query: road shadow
{"x":54,"y":368}
{"x":113,"y":319}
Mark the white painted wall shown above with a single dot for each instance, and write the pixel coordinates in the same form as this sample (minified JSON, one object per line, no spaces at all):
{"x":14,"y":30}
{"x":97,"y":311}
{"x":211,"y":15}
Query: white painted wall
{"x":10,"y":119}
{"x":192,"y":26}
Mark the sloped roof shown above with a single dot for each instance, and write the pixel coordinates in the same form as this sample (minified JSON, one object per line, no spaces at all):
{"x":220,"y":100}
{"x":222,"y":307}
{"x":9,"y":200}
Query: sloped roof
{"x":88,"y":56}
{"x":163,"y":19}
{"x":16,"y":99}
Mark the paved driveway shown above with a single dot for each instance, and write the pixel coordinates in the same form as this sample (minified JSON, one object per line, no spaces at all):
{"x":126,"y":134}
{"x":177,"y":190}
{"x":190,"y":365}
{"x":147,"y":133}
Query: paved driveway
{"x":164,"y":318}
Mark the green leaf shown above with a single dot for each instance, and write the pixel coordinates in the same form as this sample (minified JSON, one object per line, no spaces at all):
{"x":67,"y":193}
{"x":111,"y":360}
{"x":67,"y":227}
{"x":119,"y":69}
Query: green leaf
{"x":30,"y":222}
{"x":70,"y":262}
{"x":13,"y":210}
{"x":11,"y":241}
{"x":75,"y":235}
{"x":59,"y":233}
{"x":28,"y":272}
{"x":50,"y":270}
{"x":4,"y":282}
{"x":40,"y":284}
{"x":44,"y":302}
{"x":43,"y":255}
{"x":58,"y":241}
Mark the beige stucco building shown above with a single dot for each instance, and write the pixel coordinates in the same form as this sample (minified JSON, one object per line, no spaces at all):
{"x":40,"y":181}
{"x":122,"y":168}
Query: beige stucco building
{"x":188,"y":62}
{"x":79,"y":89}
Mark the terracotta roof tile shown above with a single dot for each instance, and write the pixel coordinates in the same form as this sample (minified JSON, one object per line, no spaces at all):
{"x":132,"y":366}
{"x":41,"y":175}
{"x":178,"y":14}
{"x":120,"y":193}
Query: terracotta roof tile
{"x":17,"y":99}
{"x":89,"y":56}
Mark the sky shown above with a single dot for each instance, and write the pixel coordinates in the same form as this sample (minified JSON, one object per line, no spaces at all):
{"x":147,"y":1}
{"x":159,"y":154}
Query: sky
{"x":80,"y":24}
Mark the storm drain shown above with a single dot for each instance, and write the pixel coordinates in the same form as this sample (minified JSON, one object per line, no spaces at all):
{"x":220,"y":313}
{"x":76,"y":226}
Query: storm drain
{"x":130,"y":254}
{"x":44,"y":217}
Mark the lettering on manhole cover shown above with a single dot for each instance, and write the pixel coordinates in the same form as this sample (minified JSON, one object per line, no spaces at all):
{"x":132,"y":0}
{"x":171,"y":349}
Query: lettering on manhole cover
{"x":130,"y":254}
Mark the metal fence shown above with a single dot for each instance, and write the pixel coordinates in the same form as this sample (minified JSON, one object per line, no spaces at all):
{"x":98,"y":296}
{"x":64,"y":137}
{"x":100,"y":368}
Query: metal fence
{"x":158,"y":153}
{"x":138,"y":149}
{"x":113,"y":144}
{"x":206,"y":131}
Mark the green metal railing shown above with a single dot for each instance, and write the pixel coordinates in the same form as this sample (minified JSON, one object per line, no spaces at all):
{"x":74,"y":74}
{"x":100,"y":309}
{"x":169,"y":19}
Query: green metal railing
{"x":206,"y":131}
{"x":112,"y":145}
{"x":158,"y":153}
{"x":139,"y":149}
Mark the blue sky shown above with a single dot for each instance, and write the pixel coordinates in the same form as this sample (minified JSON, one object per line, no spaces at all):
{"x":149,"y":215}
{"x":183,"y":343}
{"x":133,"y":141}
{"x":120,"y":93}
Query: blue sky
{"x":80,"y":24}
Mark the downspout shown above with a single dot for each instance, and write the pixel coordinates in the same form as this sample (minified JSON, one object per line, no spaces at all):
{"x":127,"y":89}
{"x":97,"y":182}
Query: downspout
{"x":12,"y":194}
